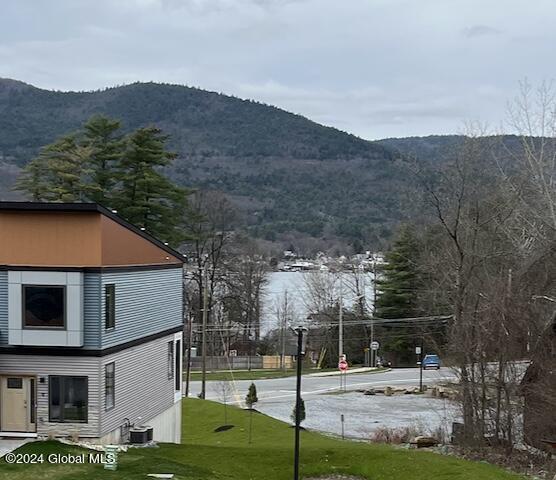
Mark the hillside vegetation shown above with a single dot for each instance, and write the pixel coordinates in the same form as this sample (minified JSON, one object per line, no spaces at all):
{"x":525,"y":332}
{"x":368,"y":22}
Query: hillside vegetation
{"x":286,"y":174}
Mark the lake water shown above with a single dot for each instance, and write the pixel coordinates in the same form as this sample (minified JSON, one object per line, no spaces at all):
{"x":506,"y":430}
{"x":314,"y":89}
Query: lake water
{"x":295,"y":284}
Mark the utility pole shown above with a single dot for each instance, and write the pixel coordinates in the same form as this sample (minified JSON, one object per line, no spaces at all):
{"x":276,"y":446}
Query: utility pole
{"x":283,"y":333}
{"x":204,"y":331}
{"x":300,"y":351}
{"x":341,"y":320}
{"x":421,"y":367}
{"x":188,"y":364}
{"x":373,"y":352}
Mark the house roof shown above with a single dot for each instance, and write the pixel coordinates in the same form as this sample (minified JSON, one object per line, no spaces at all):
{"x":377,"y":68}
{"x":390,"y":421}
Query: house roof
{"x":89,"y":207}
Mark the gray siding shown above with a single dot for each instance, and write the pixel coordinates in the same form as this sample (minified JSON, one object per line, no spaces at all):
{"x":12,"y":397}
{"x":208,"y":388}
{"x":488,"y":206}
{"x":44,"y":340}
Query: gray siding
{"x":142,"y":387}
{"x":147,"y":302}
{"x":91,"y":310}
{"x":3,"y":307}
{"x":43,"y":366}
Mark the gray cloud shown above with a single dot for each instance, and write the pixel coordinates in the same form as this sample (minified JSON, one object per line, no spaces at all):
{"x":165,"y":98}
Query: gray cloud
{"x":480,"y":31}
{"x":375,"y":68}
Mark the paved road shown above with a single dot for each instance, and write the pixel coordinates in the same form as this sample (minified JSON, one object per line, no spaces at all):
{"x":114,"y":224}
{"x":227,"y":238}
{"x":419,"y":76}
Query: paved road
{"x":283,"y":389}
{"x":362,"y":414}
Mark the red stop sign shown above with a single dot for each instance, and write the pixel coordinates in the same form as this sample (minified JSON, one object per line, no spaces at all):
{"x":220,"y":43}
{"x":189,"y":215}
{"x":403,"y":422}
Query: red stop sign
{"x":343,"y":365}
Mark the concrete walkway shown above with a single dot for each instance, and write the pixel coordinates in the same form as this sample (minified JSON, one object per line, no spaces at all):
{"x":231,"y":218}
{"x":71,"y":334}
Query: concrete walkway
{"x":8,"y":445}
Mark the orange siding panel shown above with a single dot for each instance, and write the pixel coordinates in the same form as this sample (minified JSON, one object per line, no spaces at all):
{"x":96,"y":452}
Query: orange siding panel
{"x":121,"y":246}
{"x":50,"y":238}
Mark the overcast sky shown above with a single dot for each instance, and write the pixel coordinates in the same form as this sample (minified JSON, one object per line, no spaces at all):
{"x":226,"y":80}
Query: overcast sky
{"x":375,"y":68}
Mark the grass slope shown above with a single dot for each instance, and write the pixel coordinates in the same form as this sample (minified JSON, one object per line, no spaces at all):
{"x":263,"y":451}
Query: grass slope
{"x":227,"y":455}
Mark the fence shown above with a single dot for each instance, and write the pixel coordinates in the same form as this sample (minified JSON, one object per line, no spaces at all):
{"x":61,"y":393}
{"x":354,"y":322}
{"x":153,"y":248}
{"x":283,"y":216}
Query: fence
{"x":241,"y":363}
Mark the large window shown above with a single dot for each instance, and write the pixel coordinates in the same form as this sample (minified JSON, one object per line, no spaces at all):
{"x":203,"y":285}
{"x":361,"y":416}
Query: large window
{"x":44,"y":306}
{"x":109,"y":385}
{"x":110,"y":306}
{"x":68,"y":399}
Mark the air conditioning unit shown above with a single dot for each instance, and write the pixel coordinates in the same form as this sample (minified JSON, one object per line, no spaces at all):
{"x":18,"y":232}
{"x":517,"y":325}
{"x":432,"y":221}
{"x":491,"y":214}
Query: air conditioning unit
{"x":140,"y":435}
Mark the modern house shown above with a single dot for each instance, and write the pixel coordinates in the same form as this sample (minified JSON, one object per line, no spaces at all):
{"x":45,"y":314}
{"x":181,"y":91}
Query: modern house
{"x":90,"y":325}
{"x":538,"y":388}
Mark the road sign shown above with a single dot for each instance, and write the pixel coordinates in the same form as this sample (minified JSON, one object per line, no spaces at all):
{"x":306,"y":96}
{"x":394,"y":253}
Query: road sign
{"x":375,"y":345}
{"x":343,"y":365}
{"x":418,"y":350}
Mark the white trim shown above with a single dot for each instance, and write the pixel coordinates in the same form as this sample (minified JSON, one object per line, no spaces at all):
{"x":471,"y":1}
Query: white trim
{"x":71,"y":335}
{"x":178,"y":393}
{"x":19,"y":434}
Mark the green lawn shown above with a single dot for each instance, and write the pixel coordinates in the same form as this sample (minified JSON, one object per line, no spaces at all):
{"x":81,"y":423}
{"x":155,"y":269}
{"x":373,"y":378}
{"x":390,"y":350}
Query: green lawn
{"x":206,"y":455}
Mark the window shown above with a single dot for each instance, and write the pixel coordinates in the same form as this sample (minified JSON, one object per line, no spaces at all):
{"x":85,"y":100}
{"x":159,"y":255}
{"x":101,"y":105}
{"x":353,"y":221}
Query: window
{"x":109,"y":385}
{"x":170,"y":360}
{"x":68,"y":399}
{"x":15,"y":382}
{"x":44,"y":306}
{"x":178,"y":365}
{"x":109,"y":306}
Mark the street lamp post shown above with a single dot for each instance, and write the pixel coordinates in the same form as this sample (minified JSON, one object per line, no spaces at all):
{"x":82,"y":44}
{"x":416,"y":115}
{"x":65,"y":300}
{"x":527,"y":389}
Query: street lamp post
{"x":204,"y":333}
{"x":300,"y":351}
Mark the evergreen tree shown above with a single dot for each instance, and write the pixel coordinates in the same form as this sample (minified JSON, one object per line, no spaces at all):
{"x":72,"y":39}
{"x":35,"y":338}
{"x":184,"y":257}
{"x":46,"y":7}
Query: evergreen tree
{"x":251,"y":397}
{"x":96,"y":164}
{"x":100,"y":134}
{"x":398,"y":286}
{"x":59,"y":173}
{"x":302,"y":413}
{"x":33,"y":180}
{"x":250,"y":400}
{"x":397,"y":294}
{"x":145,"y":197}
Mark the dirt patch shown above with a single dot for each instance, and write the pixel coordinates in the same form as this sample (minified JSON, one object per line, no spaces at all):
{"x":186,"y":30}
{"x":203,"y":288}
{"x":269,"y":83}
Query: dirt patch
{"x":223,"y":428}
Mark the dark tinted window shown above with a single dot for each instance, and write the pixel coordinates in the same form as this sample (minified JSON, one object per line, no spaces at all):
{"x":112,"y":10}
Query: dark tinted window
{"x":44,"y":306}
{"x":110,"y":306}
{"x":15,"y":382}
{"x":68,"y":399}
{"x":109,"y":385}
{"x":178,"y":365}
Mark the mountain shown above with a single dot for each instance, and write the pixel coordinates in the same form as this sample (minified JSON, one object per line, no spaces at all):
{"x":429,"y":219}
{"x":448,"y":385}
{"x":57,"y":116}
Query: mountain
{"x":290,"y":177}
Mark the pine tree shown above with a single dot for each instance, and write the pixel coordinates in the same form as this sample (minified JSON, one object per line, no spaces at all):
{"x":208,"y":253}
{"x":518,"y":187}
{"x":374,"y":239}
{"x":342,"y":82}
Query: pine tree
{"x":59,"y":173}
{"x":397,"y":293}
{"x":397,"y":289}
{"x":250,"y":400}
{"x":145,"y":197}
{"x":96,"y":164}
{"x":251,"y":397}
{"x":100,"y":134}
{"x":302,"y":413}
{"x":33,"y":180}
